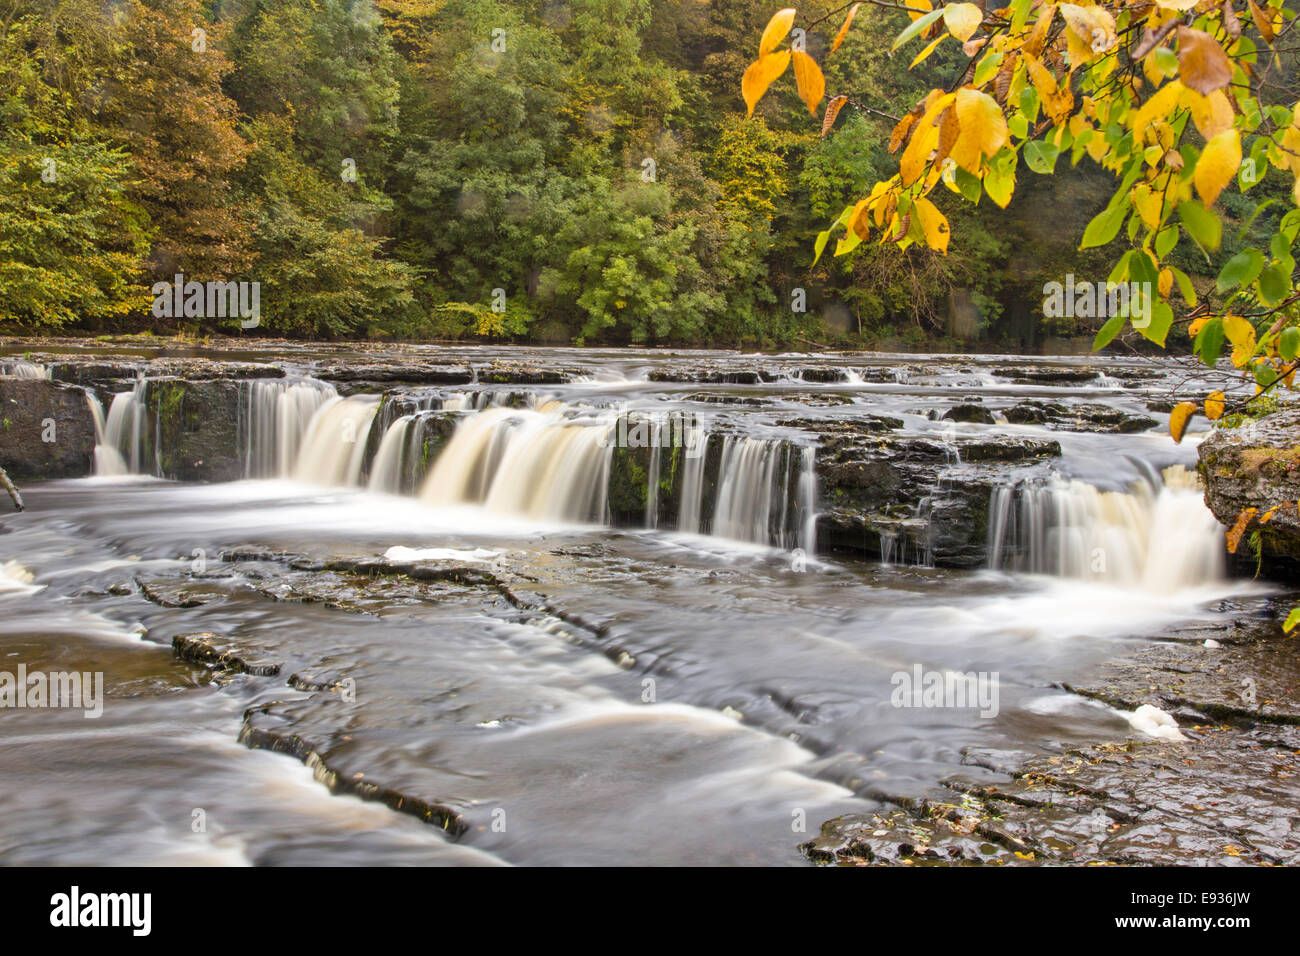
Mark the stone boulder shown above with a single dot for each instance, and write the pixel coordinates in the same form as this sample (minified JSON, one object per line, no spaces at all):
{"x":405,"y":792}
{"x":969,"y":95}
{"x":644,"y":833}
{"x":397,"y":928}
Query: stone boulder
{"x":1257,"y":465}
{"x":46,"y":429}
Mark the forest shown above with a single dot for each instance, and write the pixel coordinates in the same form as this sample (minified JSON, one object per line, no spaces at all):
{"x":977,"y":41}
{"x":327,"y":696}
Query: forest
{"x":542,"y":172}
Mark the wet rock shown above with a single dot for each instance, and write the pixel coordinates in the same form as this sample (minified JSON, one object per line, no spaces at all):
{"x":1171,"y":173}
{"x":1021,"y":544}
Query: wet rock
{"x":1257,"y":465}
{"x":212,"y":651}
{"x":194,"y":429}
{"x":46,"y":429}
{"x":1085,"y":416}
{"x":914,"y":499}
{"x":1031,"y":375}
{"x":968,"y":413}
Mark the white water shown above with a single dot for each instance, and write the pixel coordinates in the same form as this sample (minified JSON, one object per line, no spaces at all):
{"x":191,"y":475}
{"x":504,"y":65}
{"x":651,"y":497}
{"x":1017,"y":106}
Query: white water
{"x":1159,"y":540}
{"x":23,"y":369}
{"x":277,"y":415}
{"x":333,"y":450}
{"x":120,"y":438}
{"x":541,"y":463}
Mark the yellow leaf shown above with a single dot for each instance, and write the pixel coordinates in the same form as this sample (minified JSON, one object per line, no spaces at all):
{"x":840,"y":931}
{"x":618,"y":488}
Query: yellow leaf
{"x":1157,"y":106}
{"x":1197,"y":325}
{"x":1178,"y":419}
{"x":1149,"y":203}
{"x":918,"y":5}
{"x":1202,"y":64}
{"x":858,"y":220}
{"x":775,"y":31}
{"x":1057,"y":100}
{"x":760,"y":75}
{"x":844,"y":30}
{"x":1179,"y":5}
{"x":930,"y":48}
{"x":925,"y":137}
{"x":934,"y":224}
{"x":1217,"y":165}
{"x":1212,"y":114}
{"x":1165,"y":283}
{"x":962,"y":20}
{"x":808,"y":76}
{"x":1093,"y":27}
{"x":1214,"y":404}
{"x":833,"y":108}
{"x":1238,"y":330}
{"x":983,"y":129}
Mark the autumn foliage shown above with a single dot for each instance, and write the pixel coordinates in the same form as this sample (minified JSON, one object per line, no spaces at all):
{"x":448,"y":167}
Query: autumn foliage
{"x":1181,"y":100}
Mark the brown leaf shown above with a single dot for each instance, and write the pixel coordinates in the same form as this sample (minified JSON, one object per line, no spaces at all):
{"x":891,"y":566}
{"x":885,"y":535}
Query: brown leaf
{"x":1262,"y":23}
{"x":1002,"y":83}
{"x":1202,"y":64}
{"x":1233,"y":534}
{"x":833,"y":107}
{"x":899,"y":134}
{"x":1178,"y":419}
{"x":1230,"y":21}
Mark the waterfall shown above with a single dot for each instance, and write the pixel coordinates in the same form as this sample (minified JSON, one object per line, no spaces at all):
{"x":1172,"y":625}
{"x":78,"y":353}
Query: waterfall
{"x":333,"y":450}
{"x":386,"y":470}
{"x":1159,"y":539}
{"x":23,"y":369}
{"x":277,"y":414}
{"x":652,"y":480}
{"x":689,"y":513}
{"x":543,"y":463}
{"x":745,"y":486}
{"x":120,"y":439}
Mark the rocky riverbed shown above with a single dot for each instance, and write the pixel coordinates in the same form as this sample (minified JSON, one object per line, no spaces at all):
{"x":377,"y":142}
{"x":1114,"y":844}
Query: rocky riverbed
{"x":487,"y":623}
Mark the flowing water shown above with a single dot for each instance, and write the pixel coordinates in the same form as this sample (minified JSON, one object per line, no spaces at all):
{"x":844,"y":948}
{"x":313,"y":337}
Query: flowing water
{"x":675,"y":677}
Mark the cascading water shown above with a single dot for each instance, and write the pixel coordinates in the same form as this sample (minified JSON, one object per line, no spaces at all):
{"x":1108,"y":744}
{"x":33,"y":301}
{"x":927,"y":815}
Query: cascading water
{"x":121,"y":437}
{"x":544,"y":463}
{"x":277,"y":414}
{"x":333,"y":451}
{"x":554,"y":462}
{"x":20,"y":368}
{"x":1159,"y":539}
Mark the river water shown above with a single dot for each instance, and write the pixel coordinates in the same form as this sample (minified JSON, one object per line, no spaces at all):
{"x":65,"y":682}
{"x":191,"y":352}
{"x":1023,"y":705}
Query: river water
{"x":646,"y":694}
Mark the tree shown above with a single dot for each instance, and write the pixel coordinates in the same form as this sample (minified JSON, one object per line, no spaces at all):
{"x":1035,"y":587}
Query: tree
{"x":1177,"y":100}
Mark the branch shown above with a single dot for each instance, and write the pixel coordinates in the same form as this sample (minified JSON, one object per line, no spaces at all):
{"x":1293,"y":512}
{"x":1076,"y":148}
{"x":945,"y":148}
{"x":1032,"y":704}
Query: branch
{"x":13,"y":491}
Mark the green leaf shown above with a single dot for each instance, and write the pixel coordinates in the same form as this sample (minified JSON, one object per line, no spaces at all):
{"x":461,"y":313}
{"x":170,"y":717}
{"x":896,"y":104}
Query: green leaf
{"x":1274,"y":284}
{"x":1240,"y":269}
{"x":1184,"y":285}
{"x":1209,"y":341}
{"x":1041,"y":156}
{"x":1201,"y":224}
{"x":916,"y":27}
{"x":1292,"y":620}
{"x":1166,"y":239}
{"x":1108,"y":332}
{"x":1265,"y":375}
{"x":1157,"y":327}
{"x":1105,"y":225}
{"x":1288,"y":343}
{"x":820,"y":244}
